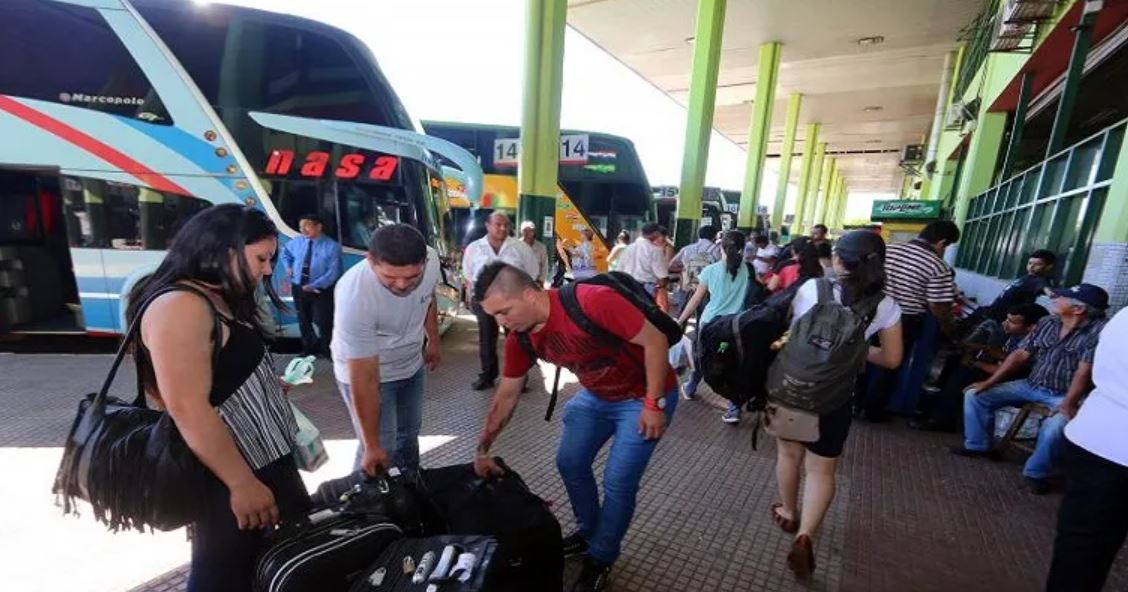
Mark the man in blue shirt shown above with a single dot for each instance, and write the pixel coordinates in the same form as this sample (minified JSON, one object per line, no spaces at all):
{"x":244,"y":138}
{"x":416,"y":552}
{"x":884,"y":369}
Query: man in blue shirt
{"x":313,"y":264}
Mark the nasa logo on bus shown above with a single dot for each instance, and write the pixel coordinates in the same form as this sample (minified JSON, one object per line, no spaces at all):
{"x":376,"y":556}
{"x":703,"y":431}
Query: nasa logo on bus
{"x":315,"y":164}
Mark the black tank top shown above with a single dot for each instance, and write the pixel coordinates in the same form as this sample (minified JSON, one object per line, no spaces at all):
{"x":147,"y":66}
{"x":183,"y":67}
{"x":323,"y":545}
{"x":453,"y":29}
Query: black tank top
{"x":247,"y":395}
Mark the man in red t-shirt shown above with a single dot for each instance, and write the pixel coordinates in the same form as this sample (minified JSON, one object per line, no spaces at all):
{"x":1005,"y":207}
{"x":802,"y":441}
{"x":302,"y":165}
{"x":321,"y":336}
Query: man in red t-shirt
{"x":629,"y":394}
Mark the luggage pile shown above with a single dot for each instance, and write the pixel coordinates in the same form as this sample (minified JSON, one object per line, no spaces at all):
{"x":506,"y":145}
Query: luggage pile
{"x":449,"y":531}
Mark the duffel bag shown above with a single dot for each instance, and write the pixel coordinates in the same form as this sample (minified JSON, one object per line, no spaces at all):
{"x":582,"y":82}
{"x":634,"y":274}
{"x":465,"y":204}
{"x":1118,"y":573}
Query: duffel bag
{"x":529,"y":554}
{"x":450,"y":563}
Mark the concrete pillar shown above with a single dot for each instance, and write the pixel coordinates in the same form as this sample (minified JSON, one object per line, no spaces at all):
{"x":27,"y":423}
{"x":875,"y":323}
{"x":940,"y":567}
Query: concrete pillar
{"x":822,"y":204}
{"x":759,"y":129}
{"x":794,"y":103}
{"x":812,"y":189}
{"x":540,"y":115}
{"x":699,"y":124}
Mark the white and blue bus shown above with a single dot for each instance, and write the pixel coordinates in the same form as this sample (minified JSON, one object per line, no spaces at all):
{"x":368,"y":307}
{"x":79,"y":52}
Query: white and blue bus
{"x":120,"y":120}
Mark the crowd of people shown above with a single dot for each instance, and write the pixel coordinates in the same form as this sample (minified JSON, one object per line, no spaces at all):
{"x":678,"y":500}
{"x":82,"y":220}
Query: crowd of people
{"x":378,"y":323}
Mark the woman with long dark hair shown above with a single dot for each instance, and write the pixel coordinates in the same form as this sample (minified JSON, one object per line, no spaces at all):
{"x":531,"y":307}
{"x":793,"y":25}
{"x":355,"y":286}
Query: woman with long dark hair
{"x":217,"y":382}
{"x":725,"y":283}
{"x":804,"y":266}
{"x":859,"y":263}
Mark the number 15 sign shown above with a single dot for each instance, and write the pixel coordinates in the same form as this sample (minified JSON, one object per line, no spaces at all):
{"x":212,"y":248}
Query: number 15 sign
{"x":573,"y":150}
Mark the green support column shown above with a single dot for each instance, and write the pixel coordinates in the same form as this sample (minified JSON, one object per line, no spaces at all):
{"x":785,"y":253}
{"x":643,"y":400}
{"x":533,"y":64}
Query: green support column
{"x":794,"y":103}
{"x":540,"y":117}
{"x":835,"y":201}
{"x":699,"y":123}
{"x":1081,"y":41}
{"x":979,"y":167}
{"x":809,"y":149}
{"x":813,"y":185}
{"x":758,"y":131}
{"x":822,"y":204}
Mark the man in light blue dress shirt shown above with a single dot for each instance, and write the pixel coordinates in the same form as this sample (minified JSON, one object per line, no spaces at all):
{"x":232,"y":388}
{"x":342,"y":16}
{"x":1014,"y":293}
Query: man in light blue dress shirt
{"x":313,"y":264}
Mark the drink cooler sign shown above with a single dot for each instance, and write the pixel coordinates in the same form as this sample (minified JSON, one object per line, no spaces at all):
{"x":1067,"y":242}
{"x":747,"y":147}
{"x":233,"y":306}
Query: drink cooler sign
{"x":912,"y":209}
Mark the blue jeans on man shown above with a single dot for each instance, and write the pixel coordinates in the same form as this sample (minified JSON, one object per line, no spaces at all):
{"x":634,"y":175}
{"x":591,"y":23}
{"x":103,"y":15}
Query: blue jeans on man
{"x":589,"y":422}
{"x":401,"y":419}
{"x":979,"y":419}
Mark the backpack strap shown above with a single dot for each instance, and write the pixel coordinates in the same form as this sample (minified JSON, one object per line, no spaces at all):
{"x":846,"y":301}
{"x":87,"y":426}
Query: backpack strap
{"x":571,"y":303}
{"x":825,"y":290}
{"x":527,"y":345}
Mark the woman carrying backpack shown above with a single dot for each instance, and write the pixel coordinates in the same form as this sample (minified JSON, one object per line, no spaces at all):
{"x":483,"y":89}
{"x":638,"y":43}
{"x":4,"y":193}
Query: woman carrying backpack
{"x":725,"y":283}
{"x":859,"y":262}
{"x":217,"y":382}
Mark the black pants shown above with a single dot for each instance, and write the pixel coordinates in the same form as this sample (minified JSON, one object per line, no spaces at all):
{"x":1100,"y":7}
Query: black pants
{"x":223,"y":557}
{"x":487,"y":342}
{"x":1092,"y":522}
{"x":883,"y":381}
{"x":315,"y":308}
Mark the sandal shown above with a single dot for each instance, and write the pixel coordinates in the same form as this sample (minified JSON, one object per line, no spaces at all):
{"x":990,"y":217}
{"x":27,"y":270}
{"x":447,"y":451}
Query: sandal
{"x":801,"y":559}
{"x":789,"y":526}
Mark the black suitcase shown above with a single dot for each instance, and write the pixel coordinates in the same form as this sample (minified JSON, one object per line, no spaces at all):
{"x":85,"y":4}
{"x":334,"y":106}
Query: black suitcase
{"x":324,"y":553}
{"x":529,"y":556}
{"x":475,"y":555}
{"x":392,"y":495}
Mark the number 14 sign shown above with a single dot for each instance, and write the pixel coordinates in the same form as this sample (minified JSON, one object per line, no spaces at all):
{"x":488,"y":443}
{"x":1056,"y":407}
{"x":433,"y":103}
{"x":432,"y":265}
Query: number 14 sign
{"x":573,"y":150}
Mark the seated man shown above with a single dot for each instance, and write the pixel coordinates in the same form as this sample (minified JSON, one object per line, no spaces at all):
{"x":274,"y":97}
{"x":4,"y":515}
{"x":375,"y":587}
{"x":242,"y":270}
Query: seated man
{"x":1061,"y":348}
{"x":979,"y":359}
{"x":1024,"y":290}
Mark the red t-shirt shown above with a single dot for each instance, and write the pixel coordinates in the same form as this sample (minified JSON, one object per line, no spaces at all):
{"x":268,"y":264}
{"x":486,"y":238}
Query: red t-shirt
{"x":611,"y":371}
{"x":788,"y":275}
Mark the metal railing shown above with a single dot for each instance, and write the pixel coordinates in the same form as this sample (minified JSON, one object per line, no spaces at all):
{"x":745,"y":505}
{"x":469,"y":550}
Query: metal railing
{"x":980,"y":33}
{"x":1053,"y":205}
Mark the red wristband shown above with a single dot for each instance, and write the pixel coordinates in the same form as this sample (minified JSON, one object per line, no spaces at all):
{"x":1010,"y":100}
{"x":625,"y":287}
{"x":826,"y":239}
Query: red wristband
{"x":651,"y":404}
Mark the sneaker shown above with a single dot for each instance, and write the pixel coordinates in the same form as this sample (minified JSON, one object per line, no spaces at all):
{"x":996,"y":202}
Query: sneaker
{"x":483,"y":383}
{"x":685,"y":394}
{"x":961,"y":451}
{"x":732,"y":416}
{"x":593,"y":577}
{"x":574,"y":544}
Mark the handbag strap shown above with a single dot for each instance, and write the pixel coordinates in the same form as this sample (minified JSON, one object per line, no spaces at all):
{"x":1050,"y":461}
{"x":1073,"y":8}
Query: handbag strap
{"x":133,"y":333}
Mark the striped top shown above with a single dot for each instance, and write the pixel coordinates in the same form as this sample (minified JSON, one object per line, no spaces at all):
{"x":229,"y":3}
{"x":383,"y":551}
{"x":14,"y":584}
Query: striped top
{"x":1057,"y":358}
{"x":915,"y":276}
{"x":259,"y":417}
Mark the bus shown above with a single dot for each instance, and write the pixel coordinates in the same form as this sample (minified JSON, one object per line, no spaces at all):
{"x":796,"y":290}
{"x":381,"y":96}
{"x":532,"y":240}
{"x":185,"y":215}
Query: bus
{"x":602,"y":185}
{"x":120,"y":120}
{"x":712,"y":209}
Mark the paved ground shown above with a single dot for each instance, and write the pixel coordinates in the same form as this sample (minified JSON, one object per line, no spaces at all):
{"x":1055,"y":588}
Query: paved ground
{"x":908,"y":515}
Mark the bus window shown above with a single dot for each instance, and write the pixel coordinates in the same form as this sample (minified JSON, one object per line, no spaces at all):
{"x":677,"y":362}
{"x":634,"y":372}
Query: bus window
{"x":68,"y":54}
{"x":102,"y":214}
{"x":295,"y":199}
{"x":364,"y":208}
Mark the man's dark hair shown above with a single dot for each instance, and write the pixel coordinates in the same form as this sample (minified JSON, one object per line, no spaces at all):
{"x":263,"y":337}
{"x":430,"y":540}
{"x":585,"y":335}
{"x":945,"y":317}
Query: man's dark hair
{"x":821,"y":227}
{"x":500,"y":276}
{"x":941,"y":230}
{"x":398,"y":245}
{"x":761,"y":240}
{"x":1030,"y":313}
{"x":707,"y":232}
{"x":650,"y":229}
{"x":1045,"y":255}
{"x":312,"y":217}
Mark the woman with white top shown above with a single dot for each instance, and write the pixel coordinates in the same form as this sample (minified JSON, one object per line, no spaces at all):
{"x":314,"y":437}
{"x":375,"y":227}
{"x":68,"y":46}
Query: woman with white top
{"x":859,"y":261}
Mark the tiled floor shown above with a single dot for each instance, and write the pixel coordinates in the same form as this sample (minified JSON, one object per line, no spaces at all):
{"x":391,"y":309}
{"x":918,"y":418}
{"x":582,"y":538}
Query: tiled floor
{"x":908,"y":515}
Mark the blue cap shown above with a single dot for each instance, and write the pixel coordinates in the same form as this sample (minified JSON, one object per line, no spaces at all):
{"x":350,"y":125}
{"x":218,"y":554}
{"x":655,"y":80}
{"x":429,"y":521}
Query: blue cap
{"x":1094,"y":296}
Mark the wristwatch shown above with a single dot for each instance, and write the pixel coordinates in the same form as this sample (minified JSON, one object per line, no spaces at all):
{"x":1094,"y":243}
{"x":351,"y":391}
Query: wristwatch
{"x":658,"y":404}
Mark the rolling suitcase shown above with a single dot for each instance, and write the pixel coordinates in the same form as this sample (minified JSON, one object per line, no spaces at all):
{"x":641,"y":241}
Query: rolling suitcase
{"x":323,"y":553}
{"x":469,"y":567}
{"x":529,"y":555}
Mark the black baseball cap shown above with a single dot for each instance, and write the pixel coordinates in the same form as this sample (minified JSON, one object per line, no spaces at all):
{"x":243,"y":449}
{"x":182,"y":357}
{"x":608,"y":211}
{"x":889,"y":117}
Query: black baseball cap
{"x":857,"y":246}
{"x":1094,"y":296}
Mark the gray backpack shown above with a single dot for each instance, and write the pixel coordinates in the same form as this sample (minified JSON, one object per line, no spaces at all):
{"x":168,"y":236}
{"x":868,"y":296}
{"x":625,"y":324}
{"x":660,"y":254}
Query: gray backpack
{"x":818,"y":367}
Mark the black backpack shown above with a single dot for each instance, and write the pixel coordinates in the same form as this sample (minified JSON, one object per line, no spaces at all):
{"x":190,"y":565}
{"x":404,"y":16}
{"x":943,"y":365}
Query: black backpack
{"x":628,"y":288}
{"x":734,"y":351}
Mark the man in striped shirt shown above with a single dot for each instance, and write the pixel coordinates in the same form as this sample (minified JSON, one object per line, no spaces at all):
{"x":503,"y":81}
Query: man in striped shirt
{"x":922,"y":283}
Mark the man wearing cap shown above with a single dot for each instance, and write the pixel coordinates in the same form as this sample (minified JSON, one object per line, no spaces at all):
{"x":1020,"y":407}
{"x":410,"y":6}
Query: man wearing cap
{"x":1061,"y":350}
{"x":529,"y":235}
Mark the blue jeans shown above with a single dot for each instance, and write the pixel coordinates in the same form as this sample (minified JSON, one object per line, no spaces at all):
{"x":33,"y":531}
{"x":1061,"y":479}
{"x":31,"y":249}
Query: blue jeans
{"x":401,"y":419}
{"x":979,"y":419}
{"x":589,"y":423}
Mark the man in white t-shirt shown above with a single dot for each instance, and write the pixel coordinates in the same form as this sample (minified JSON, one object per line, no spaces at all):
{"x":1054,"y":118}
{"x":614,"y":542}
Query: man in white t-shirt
{"x":497,"y":244}
{"x":766,"y":255}
{"x":1093,"y":519}
{"x":645,"y":259}
{"x":387,"y":331}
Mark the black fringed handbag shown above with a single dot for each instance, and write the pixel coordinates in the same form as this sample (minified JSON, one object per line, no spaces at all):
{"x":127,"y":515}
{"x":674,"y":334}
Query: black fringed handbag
{"x":130,"y":462}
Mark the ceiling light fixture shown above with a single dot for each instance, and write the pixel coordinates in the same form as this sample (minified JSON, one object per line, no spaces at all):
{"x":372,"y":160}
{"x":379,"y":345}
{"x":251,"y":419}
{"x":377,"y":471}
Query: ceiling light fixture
{"x":873,"y":40}
{"x":690,"y":40}
{"x":873,"y":108}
